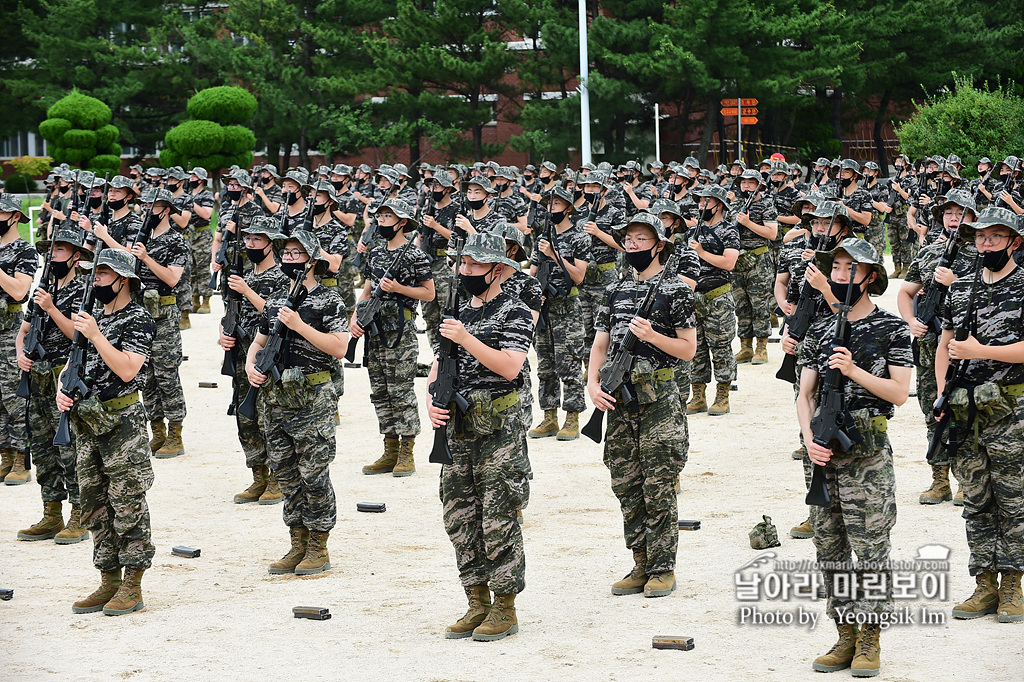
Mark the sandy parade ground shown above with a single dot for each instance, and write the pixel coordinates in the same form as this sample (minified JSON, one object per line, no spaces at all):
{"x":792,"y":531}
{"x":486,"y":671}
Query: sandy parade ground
{"x":393,"y":586}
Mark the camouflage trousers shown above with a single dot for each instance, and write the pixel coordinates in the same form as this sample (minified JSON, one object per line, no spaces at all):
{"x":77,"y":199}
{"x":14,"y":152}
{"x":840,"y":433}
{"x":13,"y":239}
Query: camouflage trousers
{"x":592,"y":294}
{"x":250,"y":431}
{"x":560,"y":354}
{"x":752,"y":291}
{"x":162,"y":394}
{"x":300,"y":449}
{"x":392,"y":393}
{"x":13,"y":434}
{"x":927,"y":389}
{"x":644,"y":452}
{"x":432,"y":309}
{"x":989,"y":471}
{"x":683,"y":381}
{"x":338,"y":364}
{"x":903,"y":240}
{"x":875,"y":232}
{"x":183,"y":290}
{"x":716,"y":328}
{"x":114,"y":473}
{"x":862,"y":488}
{"x":55,"y":466}
{"x":480,"y":493}
{"x":202,"y":251}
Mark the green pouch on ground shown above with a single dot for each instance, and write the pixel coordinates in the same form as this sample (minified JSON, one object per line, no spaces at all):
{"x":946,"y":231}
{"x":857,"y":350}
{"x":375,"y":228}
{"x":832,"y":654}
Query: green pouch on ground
{"x":293,"y":390}
{"x":151,"y":302}
{"x":42,"y":378}
{"x":480,"y":419}
{"x":764,"y":535}
{"x":644,"y":385}
{"x":992,"y":404}
{"x":90,"y":414}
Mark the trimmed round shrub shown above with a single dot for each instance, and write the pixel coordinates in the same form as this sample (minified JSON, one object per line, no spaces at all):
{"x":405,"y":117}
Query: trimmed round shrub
{"x":53,"y":129}
{"x":115,"y":149}
{"x":107,"y":135}
{"x":75,"y":155}
{"x":80,"y":139}
{"x":237,"y":140}
{"x":243,"y":160}
{"x":57,"y":153}
{"x":226,"y":105}
{"x":196,"y":138}
{"x":83,"y":111}
{"x":106,"y":162}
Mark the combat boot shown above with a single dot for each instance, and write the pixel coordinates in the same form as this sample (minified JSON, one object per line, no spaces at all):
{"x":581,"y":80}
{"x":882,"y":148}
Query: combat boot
{"x":635,"y":580}
{"x":721,"y":404}
{"x":699,"y":402}
{"x":867,"y":658}
{"x":841,"y":654}
{"x":571,"y":429}
{"x":939,"y":490}
{"x":746,"y":350}
{"x":547,"y":427}
{"x":51,"y":524}
{"x":1011,"y":601}
{"x":958,"y":499}
{"x":253,"y":492}
{"x":204,"y":307}
{"x":479,"y":604}
{"x":73,"y":532}
{"x":6,"y":462}
{"x":385,"y":464}
{"x":19,"y":474}
{"x":195,"y":302}
{"x":159,"y":435}
{"x":500,"y":621}
{"x":273,"y":494}
{"x":184,"y":322}
{"x":803,"y":531}
{"x":984,"y":601}
{"x":800,"y":452}
{"x":317,"y":559}
{"x":129,"y":595}
{"x":110,"y":583}
{"x":660,"y":584}
{"x":295,"y":555}
{"x":173,"y":446}
{"x":761,"y":354}
{"x":897,"y":271}
{"x":405,"y":466}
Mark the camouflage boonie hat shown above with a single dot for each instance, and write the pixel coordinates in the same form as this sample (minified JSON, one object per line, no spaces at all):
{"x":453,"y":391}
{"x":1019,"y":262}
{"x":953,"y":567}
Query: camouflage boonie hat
{"x":566,"y":196}
{"x":323,"y":170}
{"x":850,"y":164}
{"x":156,"y":172}
{"x":121,"y":182}
{"x":341,"y":169}
{"x":597,"y":178}
{"x":364,"y":167}
{"x":715,"y":192}
{"x":483,"y":182}
{"x":984,"y":159}
{"x":740,"y":163}
{"x":299,"y":176}
{"x":307,"y":240}
{"x":511,"y":233}
{"x":549,"y":166}
{"x":326,"y":186}
{"x":822,"y":161}
{"x":177,"y":174}
{"x":991,"y":217}
{"x":391,"y":175}
{"x":403,"y":170}
{"x":665,"y":206}
{"x":705,"y":173}
{"x":954,"y":159}
{"x":402,"y":209}
{"x":441,"y":177}
{"x":871,"y":165}
{"x":861,"y":251}
{"x":655,"y":165}
{"x":8,"y":204}
{"x":154,"y":195}
{"x":950,"y":171}
{"x":691,"y":162}
{"x":631,"y":166}
{"x":493,"y":165}
{"x":67,"y":236}
{"x":750,"y":174}
{"x":826,"y":209}
{"x":265,"y":225}
{"x":778,"y":167}
{"x":487,"y":247}
{"x":604,"y":166}
{"x":815,"y":199}
{"x":270,"y":168}
{"x":505,"y":172}
{"x":588,"y":166}
{"x":765,"y":535}
{"x":200,"y":173}
{"x":653,"y":222}
{"x":956,"y":197}
{"x":136,"y":167}
{"x":121,"y":262}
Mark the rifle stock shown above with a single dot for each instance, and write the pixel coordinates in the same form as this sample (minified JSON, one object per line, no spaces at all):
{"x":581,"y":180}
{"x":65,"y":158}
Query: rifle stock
{"x":443,"y":391}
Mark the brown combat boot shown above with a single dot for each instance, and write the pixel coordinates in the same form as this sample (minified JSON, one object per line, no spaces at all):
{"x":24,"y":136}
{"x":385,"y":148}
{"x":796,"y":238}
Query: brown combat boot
{"x":19,"y":474}
{"x":635,"y":580}
{"x":571,"y":429}
{"x":184,"y":322}
{"x":159,"y":435}
{"x":295,"y":555}
{"x":110,"y":583}
{"x":195,"y":302}
{"x":385,"y":464}
{"x":6,"y":462}
{"x":761,"y":354}
{"x":316,"y":559}
{"x":273,"y":494}
{"x":1011,"y":600}
{"x":746,"y":351}
{"x":479,"y":604}
{"x":405,"y":466}
{"x":803,"y":531}
{"x":841,"y":654}
{"x":173,"y":446}
{"x":867,"y":658}
{"x":129,"y":595}
{"x":253,"y":492}
{"x":73,"y":533}
{"x":939,"y":490}
{"x":204,"y":307}
{"x":985,"y":599}
{"x":897,"y":271}
{"x":660,"y":584}
{"x":958,"y":499}
{"x":699,"y":402}
{"x":547,"y":427}
{"x":800,"y":452}
{"x":51,"y":524}
{"x":500,"y":621}
{"x":721,"y":404}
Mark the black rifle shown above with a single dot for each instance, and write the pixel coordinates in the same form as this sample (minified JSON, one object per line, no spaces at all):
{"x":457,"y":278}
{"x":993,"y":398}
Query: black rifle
{"x":366,"y":316}
{"x":367,"y":237}
{"x":977,"y":192}
{"x":833,"y":426}
{"x":546,"y":268}
{"x":232,"y":304}
{"x":425,"y":231}
{"x":442,"y":390}
{"x":270,"y":356}
{"x":955,"y":374}
{"x":926,"y":308}
{"x":615,"y":375}
{"x":142,"y":234}
{"x":1009,"y":186}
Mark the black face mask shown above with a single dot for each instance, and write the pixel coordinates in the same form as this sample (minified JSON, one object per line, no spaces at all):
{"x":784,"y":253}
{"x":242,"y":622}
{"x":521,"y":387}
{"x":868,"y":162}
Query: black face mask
{"x":476,"y":285}
{"x":256,"y":255}
{"x":437,"y":196}
{"x":995,"y":260}
{"x":106,"y":294}
{"x":941,"y":187}
{"x":777,"y":183}
{"x":267,"y":180}
{"x":60,"y":268}
{"x":133,"y":177}
{"x":318,"y":209}
{"x":591,"y":196}
{"x":528,"y":178}
{"x":192,"y":184}
{"x":840,"y":290}
{"x":292,"y":270}
{"x":931,"y":175}
{"x":500,"y":186}
{"x":707,"y":214}
{"x":476,"y":204}
{"x":5,"y":227}
{"x":846,"y":182}
{"x":292,"y":198}
{"x":548,"y":180}
{"x":640,"y":260}
{"x":234,"y":194}
{"x":576,"y":194}
{"x":95,"y":202}
{"x":338,"y":184}
{"x":173,"y":188}
{"x":387,"y":231}
{"x":557,"y":217}
{"x":117,"y":204}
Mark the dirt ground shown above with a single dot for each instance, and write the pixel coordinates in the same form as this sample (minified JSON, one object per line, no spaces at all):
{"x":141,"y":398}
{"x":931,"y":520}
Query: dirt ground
{"x":394,"y":587}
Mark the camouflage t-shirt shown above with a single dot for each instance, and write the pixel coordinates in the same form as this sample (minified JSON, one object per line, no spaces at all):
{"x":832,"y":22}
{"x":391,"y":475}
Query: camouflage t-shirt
{"x":292,"y":222}
{"x":715,"y":239}
{"x":243,"y":217}
{"x":204,"y":199}
{"x":129,"y":329}
{"x":333,"y":237}
{"x":922,"y":270}
{"x":168,"y":249}
{"x":124,"y":229}
{"x":859,"y":200}
{"x":505,"y":323}
{"x":674,"y":308}
{"x":784,"y":199}
{"x":68,"y":300}
{"x":524,"y":287}
{"x":611,"y":220}
{"x":265,"y":284}
{"x":574,"y":243}
{"x":685,"y":261}
{"x":323,"y":310}
{"x":444,"y":215}
{"x":412,"y":271}
{"x":761,"y":211}
{"x":18,"y":257}
{"x":512,"y":207}
{"x":877,"y":341}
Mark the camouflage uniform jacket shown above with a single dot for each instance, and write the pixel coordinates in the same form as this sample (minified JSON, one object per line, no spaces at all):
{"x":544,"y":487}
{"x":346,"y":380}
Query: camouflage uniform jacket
{"x":512,"y":207}
{"x":922,"y":270}
{"x":124,"y":229}
{"x":129,"y":329}
{"x":761,"y":211}
{"x":574,"y":243}
{"x":68,"y":300}
{"x":265,"y":284}
{"x":524,"y":287}
{"x":446,"y":217}
{"x":18,"y":257}
{"x":333,"y":236}
{"x":505,"y":323}
{"x":169,"y":249}
{"x":324,"y":311}
{"x":204,"y":199}
{"x":413,"y":271}
{"x":715,"y":239}
{"x":611,"y":221}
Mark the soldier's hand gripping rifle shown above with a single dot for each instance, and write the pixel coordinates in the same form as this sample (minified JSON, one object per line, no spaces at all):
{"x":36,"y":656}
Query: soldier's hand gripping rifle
{"x":442,"y":390}
{"x":1009,"y":186}
{"x":833,"y":426}
{"x":233,"y":305}
{"x":424,"y":231}
{"x":926,"y":308}
{"x":546,"y":268}
{"x":615,"y":375}
{"x":270,"y":356}
{"x":222,"y":252}
{"x":366,"y":315}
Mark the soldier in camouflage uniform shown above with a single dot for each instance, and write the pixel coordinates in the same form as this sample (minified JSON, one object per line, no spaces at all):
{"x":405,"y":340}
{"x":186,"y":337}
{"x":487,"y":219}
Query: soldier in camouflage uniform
{"x":18,"y":263}
{"x":923,"y":275}
{"x":876,"y":363}
{"x":988,"y":413}
{"x":487,"y":480}
{"x":647,"y":444}
{"x":854,"y":198}
{"x":902,"y":239}
{"x":508,"y":202}
{"x":123,"y":223}
{"x":260,"y":282}
{"x":604,"y":223}
{"x":439,"y":221}
{"x":753,"y":273}
{"x":390,"y":355}
{"x":55,"y":466}
{"x":560,"y":332}
{"x":266,"y":192}
{"x":200,"y":238}
{"x":114,"y":470}
{"x":296,"y":413}
{"x":925,"y":192}
{"x":982,"y":188}
{"x":241,"y":212}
